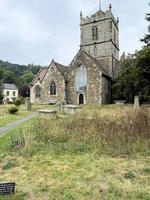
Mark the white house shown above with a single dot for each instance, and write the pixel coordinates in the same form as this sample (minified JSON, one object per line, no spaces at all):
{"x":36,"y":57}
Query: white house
{"x":10,"y":92}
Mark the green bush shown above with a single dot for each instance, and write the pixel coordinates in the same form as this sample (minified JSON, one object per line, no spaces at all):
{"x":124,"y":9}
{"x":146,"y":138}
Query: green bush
{"x":129,"y":175}
{"x":17,"y":103}
{"x":13,"y":110}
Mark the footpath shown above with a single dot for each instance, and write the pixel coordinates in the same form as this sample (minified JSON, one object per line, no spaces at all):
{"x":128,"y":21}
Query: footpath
{"x":5,"y":129}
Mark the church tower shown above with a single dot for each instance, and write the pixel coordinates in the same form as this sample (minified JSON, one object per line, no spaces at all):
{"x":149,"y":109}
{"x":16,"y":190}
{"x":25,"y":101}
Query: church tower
{"x":100,"y":38}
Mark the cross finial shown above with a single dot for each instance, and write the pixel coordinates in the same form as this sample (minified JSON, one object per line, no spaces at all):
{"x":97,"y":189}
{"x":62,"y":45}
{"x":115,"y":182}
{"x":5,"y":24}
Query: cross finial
{"x":117,"y":19}
{"x":110,"y":6}
{"x":100,"y":5}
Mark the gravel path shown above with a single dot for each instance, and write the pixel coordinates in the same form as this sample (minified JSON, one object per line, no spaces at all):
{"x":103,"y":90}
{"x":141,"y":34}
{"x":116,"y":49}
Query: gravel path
{"x":5,"y":129}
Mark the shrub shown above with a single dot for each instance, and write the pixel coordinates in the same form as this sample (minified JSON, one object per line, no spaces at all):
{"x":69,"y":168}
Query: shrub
{"x":13,"y":110}
{"x":129,"y":175}
{"x":17,"y":103}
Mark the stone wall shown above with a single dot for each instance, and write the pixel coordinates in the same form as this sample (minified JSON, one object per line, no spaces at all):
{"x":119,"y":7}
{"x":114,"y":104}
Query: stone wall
{"x":92,"y":92}
{"x":53,"y":74}
{"x":106,"y":91}
{"x":106,"y":46}
{"x":33,"y":98}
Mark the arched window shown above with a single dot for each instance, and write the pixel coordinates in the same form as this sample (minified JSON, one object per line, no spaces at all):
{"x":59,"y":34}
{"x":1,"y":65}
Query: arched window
{"x":95,"y":33}
{"x":81,"y":78}
{"x":37,"y":91}
{"x":52,"y":88}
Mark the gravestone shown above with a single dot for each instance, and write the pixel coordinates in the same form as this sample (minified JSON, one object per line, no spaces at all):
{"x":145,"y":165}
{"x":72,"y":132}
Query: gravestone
{"x":61,"y":106}
{"x":28,"y":104}
{"x":136,"y":102}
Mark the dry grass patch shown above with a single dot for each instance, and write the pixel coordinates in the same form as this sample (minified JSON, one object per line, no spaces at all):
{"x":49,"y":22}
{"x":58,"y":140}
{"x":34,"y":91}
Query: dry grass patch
{"x":79,"y":177}
{"x":82,"y":157}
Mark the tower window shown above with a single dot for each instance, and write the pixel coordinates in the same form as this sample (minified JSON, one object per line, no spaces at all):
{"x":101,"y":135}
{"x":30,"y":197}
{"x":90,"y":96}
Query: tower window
{"x":114,"y":36}
{"x":52,"y":88}
{"x":95,"y":33}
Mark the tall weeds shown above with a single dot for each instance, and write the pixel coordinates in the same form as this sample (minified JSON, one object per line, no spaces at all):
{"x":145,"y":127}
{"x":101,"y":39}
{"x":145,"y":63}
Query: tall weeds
{"x":129,"y":133}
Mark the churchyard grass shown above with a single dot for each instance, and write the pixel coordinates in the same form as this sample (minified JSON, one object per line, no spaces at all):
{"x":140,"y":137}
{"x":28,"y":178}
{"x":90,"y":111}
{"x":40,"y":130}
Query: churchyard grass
{"x":101,"y":153}
{"x":6,"y":117}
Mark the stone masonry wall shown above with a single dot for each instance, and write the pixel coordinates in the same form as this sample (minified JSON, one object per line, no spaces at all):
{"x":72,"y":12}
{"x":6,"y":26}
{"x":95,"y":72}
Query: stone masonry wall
{"x":92,"y":92}
{"x":53,"y":75}
{"x":106,"y":47}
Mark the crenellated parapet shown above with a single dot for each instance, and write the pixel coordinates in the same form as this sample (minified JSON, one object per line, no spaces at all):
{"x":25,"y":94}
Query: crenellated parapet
{"x":99,"y":16}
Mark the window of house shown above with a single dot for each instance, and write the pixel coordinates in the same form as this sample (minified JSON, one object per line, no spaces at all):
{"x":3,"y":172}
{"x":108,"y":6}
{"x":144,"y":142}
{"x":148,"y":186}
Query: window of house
{"x":14,"y":93}
{"x":7,"y":93}
{"x":95,"y":33}
{"x":52,"y":88}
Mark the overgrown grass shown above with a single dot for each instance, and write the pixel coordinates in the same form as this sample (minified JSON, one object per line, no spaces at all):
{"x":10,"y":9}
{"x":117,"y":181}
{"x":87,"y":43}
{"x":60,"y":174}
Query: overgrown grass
{"x":118,"y":136}
{"x":87,"y":156}
{"x":6,"y":140}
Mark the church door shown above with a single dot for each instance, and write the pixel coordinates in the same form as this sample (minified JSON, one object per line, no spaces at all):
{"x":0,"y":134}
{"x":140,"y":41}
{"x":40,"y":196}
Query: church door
{"x":81,"y":99}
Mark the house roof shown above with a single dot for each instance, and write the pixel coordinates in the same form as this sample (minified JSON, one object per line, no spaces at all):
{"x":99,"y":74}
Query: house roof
{"x":10,"y":86}
{"x":62,"y":68}
{"x":98,"y":64}
{"x":40,"y":76}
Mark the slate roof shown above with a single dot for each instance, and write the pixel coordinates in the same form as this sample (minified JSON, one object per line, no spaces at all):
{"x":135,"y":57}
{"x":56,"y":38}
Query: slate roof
{"x":98,"y":64}
{"x":10,"y":86}
{"x":40,"y":76}
{"x":62,"y":68}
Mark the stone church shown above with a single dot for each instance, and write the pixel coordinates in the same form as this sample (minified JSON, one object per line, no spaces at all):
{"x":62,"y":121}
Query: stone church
{"x":87,"y":79}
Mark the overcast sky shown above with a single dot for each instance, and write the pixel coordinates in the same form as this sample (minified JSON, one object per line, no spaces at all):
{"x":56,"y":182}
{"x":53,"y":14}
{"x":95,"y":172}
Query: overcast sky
{"x":36,"y":31}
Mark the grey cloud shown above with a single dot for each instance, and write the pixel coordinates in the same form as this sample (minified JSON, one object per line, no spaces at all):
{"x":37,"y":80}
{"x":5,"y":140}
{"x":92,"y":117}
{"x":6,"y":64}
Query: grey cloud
{"x":35,"y":31}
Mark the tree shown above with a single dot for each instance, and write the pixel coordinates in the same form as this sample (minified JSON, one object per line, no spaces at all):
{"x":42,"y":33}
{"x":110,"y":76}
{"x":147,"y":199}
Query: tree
{"x":25,"y":91}
{"x":134,"y":77}
{"x":143,"y":65}
{"x":1,"y":96}
{"x":125,"y":85}
{"x":8,"y":77}
{"x":1,"y":92}
{"x":146,"y":38}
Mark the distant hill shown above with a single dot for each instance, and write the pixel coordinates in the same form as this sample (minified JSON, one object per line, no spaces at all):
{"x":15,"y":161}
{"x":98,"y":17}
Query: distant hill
{"x":21,"y":75}
{"x":17,"y":69}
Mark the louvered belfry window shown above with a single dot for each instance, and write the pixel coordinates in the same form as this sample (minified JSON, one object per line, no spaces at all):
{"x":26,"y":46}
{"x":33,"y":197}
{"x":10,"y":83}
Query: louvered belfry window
{"x":95,"y":33}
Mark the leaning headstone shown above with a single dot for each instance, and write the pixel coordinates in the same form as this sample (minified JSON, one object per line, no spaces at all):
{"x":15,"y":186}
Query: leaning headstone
{"x":136,"y":102}
{"x":28,"y":103}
